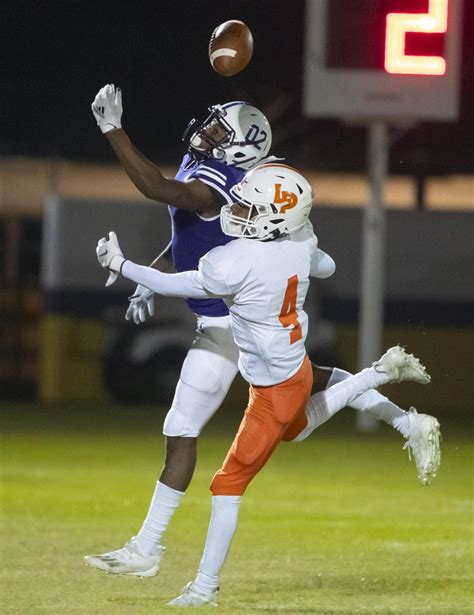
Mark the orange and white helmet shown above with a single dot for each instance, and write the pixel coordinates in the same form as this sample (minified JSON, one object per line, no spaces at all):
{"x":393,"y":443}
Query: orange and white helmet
{"x":278,"y":200}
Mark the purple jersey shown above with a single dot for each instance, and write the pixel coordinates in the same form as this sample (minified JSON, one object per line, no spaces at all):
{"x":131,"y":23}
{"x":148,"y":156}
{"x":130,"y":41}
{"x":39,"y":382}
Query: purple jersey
{"x":194,"y":236}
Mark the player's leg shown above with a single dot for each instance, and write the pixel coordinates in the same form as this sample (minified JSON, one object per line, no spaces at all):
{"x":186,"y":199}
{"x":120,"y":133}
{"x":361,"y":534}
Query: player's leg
{"x":206,"y":375}
{"x":421,"y":431}
{"x":371,"y":401}
{"x":394,"y":366}
{"x":200,"y":392}
{"x":269,"y":412}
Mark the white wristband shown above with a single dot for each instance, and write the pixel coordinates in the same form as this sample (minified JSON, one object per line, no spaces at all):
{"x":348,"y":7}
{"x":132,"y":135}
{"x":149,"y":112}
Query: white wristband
{"x":116,"y":263}
{"x":108,"y":127}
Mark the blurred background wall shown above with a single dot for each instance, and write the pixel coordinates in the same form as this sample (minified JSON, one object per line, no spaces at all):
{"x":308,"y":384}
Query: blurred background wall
{"x":63,"y":336}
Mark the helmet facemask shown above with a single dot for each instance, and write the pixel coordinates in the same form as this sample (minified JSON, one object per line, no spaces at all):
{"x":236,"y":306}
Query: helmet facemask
{"x":240,"y":225}
{"x":235,"y":133}
{"x":207,"y":139}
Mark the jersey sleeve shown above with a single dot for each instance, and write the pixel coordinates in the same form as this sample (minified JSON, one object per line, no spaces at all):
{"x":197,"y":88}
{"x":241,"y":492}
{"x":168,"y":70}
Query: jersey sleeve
{"x":321,"y":264}
{"x":218,"y":176}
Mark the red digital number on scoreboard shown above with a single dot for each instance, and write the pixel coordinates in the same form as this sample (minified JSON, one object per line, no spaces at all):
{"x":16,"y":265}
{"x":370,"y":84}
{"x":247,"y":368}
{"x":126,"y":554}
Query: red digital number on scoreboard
{"x":399,"y":24}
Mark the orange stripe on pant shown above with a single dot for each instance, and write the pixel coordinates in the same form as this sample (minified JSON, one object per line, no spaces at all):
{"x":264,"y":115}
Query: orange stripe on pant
{"x":273,"y":414}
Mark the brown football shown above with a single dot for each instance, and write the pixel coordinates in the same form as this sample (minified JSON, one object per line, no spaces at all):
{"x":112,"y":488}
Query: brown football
{"x":230,"y":47}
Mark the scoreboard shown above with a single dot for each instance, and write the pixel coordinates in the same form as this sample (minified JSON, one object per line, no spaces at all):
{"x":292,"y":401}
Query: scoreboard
{"x":382,"y":59}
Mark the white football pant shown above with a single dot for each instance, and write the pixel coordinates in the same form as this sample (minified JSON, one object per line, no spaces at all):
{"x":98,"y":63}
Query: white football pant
{"x":207,"y":373}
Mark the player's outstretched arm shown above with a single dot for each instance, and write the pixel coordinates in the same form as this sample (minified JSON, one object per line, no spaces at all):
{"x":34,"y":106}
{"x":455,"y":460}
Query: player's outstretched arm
{"x":147,"y":177}
{"x":149,"y":180}
{"x":185,"y":284}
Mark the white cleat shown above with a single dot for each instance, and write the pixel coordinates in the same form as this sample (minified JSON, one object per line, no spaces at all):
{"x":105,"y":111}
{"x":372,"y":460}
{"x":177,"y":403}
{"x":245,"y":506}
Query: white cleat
{"x":127,"y":560}
{"x":424,"y":443}
{"x":192,"y":596}
{"x":398,"y":365}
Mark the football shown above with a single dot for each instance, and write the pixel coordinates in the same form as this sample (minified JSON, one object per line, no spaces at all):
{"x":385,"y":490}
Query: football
{"x":230,"y":48}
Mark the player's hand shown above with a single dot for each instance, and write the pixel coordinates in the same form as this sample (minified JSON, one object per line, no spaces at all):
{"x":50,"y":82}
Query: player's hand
{"x":141,"y":301}
{"x":109,"y":255}
{"x":107,"y":108}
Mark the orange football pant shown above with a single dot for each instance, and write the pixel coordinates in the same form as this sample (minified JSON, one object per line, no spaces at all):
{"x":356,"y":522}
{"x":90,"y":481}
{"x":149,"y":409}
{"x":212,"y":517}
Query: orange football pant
{"x":274,"y":413}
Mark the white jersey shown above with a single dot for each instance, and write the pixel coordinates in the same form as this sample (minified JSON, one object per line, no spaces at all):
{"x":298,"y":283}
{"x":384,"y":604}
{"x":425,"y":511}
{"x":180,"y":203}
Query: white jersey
{"x":265,"y":284}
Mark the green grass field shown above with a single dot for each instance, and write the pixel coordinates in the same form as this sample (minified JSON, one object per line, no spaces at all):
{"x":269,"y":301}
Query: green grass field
{"x":335,"y":525}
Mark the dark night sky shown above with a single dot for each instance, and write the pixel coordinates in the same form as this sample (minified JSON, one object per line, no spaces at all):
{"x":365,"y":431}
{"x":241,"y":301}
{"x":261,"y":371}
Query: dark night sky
{"x":59,"y":53}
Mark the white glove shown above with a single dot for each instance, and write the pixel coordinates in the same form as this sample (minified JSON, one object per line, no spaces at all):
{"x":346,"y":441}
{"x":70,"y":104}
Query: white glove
{"x":110,"y":256}
{"x":107,"y":108}
{"x":140,"y":302}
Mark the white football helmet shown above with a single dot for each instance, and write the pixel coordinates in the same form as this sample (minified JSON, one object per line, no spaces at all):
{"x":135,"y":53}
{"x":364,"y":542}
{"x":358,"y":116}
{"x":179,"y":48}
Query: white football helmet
{"x":278,"y":201}
{"x":235,"y":133}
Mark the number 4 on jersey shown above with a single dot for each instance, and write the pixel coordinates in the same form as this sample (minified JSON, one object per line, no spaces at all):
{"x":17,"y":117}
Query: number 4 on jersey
{"x":288,"y":315}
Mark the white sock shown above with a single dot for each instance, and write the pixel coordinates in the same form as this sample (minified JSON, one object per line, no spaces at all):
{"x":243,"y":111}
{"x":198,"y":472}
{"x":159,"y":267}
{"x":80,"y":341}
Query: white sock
{"x":375,"y":403}
{"x":323,"y":405}
{"x":223,"y":523}
{"x":162,"y":507}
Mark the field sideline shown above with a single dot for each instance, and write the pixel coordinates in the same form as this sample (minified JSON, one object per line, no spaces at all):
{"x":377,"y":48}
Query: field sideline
{"x":336,"y":525}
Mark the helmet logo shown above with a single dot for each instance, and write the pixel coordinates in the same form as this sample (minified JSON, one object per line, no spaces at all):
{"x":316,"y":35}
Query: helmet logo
{"x":289,"y":199}
{"x":255,"y":136}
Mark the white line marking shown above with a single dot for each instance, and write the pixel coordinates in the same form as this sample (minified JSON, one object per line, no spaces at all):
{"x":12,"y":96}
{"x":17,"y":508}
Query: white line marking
{"x":228,"y":53}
